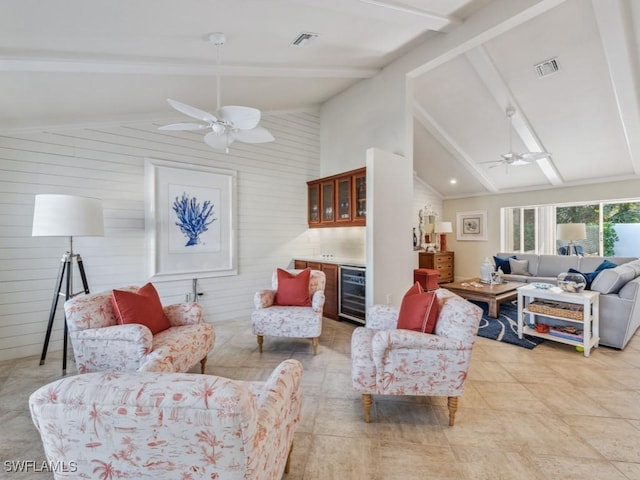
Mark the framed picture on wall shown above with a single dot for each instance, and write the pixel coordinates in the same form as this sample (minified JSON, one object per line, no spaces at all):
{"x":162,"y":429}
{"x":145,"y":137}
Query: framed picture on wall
{"x":471,"y":225}
{"x":190,"y":220}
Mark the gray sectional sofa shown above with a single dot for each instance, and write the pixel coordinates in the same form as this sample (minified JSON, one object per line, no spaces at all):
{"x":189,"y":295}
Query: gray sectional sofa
{"x":619,"y":288}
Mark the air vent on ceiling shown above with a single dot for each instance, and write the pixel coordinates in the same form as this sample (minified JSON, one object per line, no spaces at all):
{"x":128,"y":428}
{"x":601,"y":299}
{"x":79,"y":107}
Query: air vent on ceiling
{"x":304,"y":39}
{"x":548,"y":67}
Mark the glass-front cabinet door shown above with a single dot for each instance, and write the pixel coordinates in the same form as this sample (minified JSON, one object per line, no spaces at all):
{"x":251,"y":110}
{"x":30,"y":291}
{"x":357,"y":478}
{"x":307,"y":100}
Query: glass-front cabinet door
{"x":326,"y":201}
{"x":360,"y":198}
{"x":314,"y":203}
{"x":343,"y":200}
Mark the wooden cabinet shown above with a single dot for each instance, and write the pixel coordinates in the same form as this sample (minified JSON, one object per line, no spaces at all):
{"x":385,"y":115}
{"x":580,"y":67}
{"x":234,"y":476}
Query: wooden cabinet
{"x":339,"y":200}
{"x":440,"y":261}
{"x":331,"y":288}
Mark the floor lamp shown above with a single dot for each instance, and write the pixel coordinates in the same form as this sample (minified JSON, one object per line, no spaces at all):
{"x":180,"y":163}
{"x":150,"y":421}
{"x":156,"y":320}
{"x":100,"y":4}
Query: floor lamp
{"x":66,"y":216}
{"x":571,"y":232}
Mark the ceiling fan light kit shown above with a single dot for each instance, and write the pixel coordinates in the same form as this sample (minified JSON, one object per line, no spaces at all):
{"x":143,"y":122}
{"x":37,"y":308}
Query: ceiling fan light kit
{"x":511,"y":157}
{"x":230,"y":123}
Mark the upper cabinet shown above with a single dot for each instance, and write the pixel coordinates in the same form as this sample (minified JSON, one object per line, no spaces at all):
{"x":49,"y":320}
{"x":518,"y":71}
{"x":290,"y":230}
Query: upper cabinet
{"x":339,"y":200}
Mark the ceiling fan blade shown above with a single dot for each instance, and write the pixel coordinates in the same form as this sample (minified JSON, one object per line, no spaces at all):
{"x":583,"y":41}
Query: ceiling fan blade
{"x":192,"y":111}
{"x":533,"y":156}
{"x":243,"y":118}
{"x":255,"y":135}
{"x":219,"y":142}
{"x":184,"y":126}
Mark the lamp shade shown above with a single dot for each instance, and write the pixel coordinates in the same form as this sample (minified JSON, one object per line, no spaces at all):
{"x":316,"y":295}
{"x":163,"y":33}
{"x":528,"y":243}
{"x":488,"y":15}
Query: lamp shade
{"x":443,"y":227}
{"x":67,"y":216}
{"x":571,"y":231}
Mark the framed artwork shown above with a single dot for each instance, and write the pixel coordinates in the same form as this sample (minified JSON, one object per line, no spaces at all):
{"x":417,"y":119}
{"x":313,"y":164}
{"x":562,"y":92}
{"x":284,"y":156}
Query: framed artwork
{"x":190,"y":220}
{"x":471,"y":225}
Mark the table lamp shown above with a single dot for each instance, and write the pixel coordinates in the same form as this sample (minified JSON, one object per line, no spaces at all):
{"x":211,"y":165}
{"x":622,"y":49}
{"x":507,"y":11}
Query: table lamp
{"x":442,"y":228}
{"x":571,"y":232}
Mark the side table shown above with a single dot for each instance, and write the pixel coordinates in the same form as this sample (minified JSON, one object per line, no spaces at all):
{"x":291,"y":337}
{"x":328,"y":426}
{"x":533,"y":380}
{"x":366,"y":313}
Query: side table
{"x":589,"y":321}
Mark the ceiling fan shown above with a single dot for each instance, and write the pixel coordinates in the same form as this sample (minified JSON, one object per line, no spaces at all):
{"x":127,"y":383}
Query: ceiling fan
{"x":230,"y":123}
{"x":511,"y":157}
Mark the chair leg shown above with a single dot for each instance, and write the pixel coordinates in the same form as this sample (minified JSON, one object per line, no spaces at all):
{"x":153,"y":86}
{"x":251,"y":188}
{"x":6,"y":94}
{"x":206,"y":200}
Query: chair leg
{"x":316,"y":342}
{"x":452,"y":403}
{"x":260,"y":342}
{"x":366,"y":405}
{"x":203,"y":363}
{"x":287,"y":466}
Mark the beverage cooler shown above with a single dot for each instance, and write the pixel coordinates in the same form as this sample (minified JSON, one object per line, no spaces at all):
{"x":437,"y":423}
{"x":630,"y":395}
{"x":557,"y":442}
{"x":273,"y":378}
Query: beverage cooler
{"x":352,"y":305}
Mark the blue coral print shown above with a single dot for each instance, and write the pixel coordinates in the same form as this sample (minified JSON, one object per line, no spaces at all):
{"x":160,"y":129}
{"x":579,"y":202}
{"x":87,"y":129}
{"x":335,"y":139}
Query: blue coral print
{"x":193,"y":218}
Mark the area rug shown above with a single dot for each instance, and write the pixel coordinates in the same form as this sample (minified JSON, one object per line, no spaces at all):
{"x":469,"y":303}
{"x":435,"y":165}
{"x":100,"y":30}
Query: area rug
{"x":505,"y":327}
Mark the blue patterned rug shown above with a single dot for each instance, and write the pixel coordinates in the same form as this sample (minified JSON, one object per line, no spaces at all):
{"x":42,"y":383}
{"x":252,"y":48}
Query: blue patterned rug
{"x":505,"y":327}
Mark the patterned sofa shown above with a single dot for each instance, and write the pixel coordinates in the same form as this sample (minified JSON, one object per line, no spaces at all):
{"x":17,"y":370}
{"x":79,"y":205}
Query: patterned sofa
{"x":100,"y":344}
{"x":147,"y":425}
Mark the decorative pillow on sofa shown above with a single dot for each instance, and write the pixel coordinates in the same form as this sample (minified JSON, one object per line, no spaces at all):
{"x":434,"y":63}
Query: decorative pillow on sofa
{"x":142,"y":307}
{"x":293,"y":290}
{"x":419,"y":310}
{"x":519,"y":267}
{"x":503,"y":263}
{"x":591,"y":276}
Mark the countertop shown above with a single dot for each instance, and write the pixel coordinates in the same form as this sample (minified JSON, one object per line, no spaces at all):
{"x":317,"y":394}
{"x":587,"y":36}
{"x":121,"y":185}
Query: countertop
{"x":356,"y":262}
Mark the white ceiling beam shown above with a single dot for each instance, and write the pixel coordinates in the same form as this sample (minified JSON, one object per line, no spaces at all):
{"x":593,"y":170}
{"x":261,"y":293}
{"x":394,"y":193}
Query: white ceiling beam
{"x":616,"y":34}
{"x":70,"y":65}
{"x":441,"y":135}
{"x":499,"y":90}
{"x":387,"y":11}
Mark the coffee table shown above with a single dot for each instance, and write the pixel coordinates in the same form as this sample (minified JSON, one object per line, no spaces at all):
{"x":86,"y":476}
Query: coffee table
{"x":493,"y":295}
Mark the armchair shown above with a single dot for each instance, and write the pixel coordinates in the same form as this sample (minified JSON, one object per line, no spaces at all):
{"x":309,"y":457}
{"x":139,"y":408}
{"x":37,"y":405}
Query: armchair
{"x":100,"y":344}
{"x":289,"y":321}
{"x":169,"y":425}
{"x":390,"y":361}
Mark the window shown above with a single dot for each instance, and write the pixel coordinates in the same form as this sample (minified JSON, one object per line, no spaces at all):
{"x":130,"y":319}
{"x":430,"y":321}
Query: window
{"x":612,"y":228}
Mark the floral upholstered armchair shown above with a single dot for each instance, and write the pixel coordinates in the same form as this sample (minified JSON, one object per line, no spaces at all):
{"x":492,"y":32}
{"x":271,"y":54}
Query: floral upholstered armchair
{"x":300,"y":321}
{"x":101,"y":344}
{"x":390,"y":361}
{"x":169,"y":425}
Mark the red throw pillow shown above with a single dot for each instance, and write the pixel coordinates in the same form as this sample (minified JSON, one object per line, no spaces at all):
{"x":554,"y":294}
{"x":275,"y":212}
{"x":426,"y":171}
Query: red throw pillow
{"x":293,"y":290}
{"x":142,"y":307}
{"x":419,"y":310}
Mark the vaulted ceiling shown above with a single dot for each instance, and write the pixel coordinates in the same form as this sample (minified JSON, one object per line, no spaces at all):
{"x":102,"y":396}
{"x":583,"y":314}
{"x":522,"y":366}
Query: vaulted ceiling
{"x":76,"y":61}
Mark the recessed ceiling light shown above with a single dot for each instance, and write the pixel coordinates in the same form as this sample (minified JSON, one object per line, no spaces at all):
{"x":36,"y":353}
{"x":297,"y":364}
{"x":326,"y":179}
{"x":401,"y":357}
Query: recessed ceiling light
{"x":453,"y":181}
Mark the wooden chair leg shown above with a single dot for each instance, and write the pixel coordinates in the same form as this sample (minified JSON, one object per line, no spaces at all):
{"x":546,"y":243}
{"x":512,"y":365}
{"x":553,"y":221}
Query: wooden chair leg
{"x":203,"y":363}
{"x":452,"y":403}
{"x":287,"y":466}
{"x":366,"y":405}
{"x":260,"y":342}
{"x":316,"y":342}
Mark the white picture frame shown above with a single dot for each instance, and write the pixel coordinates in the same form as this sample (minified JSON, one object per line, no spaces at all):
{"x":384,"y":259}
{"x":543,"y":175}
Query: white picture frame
{"x":471,"y":225}
{"x":190,"y":220}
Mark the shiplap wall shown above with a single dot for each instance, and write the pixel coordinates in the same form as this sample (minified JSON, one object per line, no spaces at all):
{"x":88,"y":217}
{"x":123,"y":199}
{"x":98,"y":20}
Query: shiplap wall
{"x":107,"y":162}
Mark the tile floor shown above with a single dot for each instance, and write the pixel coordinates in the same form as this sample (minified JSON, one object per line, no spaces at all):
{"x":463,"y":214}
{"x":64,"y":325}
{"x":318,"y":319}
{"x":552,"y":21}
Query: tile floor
{"x":547,"y":413}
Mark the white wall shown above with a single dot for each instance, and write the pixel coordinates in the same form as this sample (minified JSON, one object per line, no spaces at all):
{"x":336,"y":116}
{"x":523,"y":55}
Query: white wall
{"x":469,"y":255}
{"x":390,"y":255}
{"x":106,"y":161}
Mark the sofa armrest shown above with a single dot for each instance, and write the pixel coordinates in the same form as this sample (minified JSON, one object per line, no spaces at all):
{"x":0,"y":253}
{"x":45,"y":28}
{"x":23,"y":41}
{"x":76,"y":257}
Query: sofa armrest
{"x":399,"y":339}
{"x":317,"y":301}
{"x":183,"y":314}
{"x":264,"y":298}
{"x":130,"y":333}
{"x":382,"y":317}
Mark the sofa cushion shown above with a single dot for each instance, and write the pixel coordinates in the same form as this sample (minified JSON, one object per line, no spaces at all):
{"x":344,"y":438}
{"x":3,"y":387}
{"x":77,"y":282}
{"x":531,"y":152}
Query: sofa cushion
{"x":419,"y":310}
{"x":142,"y":307}
{"x":552,"y":265}
{"x":519,"y":267}
{"x":293,"y":290}
{"x":591,"y":276}
{"x":503,"y":263}
{"x":613,"y":279}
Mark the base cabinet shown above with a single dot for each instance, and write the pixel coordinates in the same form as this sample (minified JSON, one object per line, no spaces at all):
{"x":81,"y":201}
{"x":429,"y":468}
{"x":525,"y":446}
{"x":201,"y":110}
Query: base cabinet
{"x":331,"y":288}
